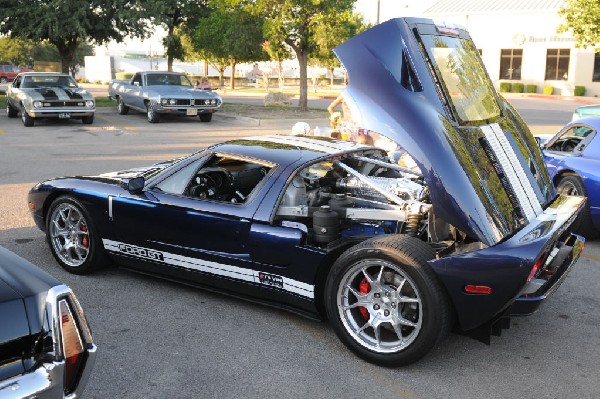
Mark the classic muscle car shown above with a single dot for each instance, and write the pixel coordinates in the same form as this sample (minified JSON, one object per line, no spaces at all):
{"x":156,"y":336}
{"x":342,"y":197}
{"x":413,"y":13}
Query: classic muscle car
{"x":393,"y":257}
{"x":37,"y":95}
{"x":159,"y":93}
{"x":46,"y":348}
{"x":573,"y":160}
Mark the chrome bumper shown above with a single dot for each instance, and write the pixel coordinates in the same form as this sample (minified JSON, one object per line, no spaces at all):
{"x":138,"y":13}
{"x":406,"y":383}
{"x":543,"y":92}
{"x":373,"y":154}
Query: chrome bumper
{"x":51,"y":113}
{"x":46,"y":382}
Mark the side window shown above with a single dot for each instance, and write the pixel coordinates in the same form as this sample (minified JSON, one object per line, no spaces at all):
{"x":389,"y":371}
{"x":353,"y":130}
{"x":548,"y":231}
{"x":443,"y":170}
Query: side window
{"x":573,"y":140}
{"x":137,"y":79}
{"x":17,"y":82}
{"x":221,"y":178}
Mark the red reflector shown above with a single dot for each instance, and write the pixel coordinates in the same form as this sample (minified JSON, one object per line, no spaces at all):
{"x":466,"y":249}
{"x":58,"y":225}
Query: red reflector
{"x":478,"y":289}
{"x":535,"y":268}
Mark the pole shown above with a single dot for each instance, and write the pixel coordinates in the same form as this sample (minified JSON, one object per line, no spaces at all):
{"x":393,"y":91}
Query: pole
{"x":378,"y":10}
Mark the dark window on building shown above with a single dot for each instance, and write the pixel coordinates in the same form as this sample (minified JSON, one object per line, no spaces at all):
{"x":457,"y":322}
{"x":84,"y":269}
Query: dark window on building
{"x":557,"y":63}
{"x":510,"y":63}
{"x":480,"y":51}
{"x":596,"y":75}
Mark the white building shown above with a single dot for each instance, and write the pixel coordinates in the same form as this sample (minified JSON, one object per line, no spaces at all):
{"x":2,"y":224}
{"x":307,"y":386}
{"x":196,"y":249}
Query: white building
{"x":518,"y":41}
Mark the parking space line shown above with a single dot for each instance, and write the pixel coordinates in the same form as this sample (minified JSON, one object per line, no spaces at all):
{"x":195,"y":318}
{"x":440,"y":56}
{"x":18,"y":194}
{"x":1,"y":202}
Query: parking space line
{"x":112,"y":121}
{"x":590,"y":257}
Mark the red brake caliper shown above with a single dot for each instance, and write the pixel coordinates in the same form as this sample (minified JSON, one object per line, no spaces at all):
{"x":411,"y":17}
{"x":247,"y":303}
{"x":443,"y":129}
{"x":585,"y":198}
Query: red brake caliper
{"x":85,"y":241}
{"x":364,"y":287}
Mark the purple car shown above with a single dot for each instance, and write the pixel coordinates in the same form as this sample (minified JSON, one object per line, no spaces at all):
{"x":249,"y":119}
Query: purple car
{"x":573,"y":160}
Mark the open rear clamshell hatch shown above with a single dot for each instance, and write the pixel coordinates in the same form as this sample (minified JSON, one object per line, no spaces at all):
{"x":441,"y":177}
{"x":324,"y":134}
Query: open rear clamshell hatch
{"x":422,"y":84}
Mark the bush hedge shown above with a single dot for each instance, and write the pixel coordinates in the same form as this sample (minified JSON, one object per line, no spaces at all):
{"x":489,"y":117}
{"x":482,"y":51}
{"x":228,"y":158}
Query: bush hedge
{"x":517,"y":87}
{"x":531,"y":88}
{"x":505,"y":87}
{"x":579,"y":90}
{"x":548,"y":90}
{"x":123,"y":75}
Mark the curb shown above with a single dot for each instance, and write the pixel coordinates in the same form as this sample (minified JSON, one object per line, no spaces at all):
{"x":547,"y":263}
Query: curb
{"x":580,"y":100}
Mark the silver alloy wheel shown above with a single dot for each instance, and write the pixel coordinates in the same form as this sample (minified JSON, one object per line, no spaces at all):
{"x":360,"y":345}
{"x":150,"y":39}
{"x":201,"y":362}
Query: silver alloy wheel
{"x":385,"y":319}
{"x":69,"y":234}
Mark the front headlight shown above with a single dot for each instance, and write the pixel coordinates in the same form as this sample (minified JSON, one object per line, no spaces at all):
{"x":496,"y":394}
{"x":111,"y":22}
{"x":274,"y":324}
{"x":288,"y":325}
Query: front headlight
{"x":89,"y":103}
{"x":172,"y":101}
{"x":37,"y":104}
{"x":163,"y":101}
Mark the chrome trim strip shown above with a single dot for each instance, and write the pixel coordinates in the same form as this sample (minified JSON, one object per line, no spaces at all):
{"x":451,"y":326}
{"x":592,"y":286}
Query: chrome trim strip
{"x":205,"y":266}
{"x":110,"y":207}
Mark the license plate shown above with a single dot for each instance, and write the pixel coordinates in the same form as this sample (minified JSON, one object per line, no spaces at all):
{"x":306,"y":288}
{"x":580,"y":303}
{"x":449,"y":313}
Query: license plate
{"x":192,"y":111}
{"x":64,"y":115}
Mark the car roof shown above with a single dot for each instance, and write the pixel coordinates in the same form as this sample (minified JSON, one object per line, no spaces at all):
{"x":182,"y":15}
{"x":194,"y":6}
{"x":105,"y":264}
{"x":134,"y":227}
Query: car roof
{"x":284,"y":150}
{"x":43,"y":74}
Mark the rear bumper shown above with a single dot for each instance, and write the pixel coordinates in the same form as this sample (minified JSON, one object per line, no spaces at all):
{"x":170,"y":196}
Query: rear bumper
{"x":554,"y":273}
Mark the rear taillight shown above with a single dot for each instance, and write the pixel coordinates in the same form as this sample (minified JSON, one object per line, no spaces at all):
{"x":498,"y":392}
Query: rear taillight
{"x":72,"y":346}
{"x":536,"y":266}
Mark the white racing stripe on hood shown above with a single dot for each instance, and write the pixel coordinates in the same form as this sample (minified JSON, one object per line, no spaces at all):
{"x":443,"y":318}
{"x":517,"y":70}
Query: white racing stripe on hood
{"x":206,"y":266}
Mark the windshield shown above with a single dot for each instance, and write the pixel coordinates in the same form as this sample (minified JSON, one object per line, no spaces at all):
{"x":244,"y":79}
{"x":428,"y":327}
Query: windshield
{"x":37,"y":81}
{"x":458,"y":66}
{"x":157,"y":79}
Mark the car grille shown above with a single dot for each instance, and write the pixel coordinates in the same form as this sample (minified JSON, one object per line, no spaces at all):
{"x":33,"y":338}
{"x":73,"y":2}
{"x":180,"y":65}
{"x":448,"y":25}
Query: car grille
{"x":78,"y":103}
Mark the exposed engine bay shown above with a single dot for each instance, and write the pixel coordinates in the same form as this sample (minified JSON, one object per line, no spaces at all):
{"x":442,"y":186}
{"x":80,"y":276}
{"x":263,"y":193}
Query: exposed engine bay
{"x":362,"y":195}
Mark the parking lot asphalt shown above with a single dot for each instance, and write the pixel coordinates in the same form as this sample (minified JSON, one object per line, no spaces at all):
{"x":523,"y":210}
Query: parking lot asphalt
{"x":159,"y":339}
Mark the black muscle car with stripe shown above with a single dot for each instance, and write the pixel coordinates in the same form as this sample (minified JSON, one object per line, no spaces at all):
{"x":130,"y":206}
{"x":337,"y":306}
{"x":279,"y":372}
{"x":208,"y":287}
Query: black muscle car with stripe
{"x":37,"y":95}
{"x":392,"y":257}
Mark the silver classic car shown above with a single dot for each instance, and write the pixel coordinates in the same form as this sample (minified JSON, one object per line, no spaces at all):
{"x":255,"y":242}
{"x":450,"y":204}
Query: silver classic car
{"x":157,"y":93}
{"x":38,"y":95}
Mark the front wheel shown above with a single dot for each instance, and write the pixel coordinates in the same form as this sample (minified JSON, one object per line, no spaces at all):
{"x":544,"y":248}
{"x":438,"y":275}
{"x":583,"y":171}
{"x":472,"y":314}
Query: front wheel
{"x":73,"y":238}
{"x":385,"y":302}
{"x":153,"y":117}
{"x":205,"y":117}
{"x":28,"y":121}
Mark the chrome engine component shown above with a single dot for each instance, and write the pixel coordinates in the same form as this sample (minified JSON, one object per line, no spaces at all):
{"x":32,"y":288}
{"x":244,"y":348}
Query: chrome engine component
{"x":401,"y":187}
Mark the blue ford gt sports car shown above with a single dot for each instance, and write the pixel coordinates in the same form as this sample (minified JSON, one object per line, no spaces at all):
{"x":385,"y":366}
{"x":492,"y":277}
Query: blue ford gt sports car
{"x":392,"y":257}
{"x":573,"y":160}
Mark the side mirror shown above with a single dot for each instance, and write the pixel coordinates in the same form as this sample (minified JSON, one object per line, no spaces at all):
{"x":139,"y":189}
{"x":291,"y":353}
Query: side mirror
{"x":135,"y":185}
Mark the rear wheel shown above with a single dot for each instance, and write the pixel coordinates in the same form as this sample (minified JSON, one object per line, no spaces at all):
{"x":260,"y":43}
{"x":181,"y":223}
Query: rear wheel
{"x":385,"y":302}
{"x":121,"y":107}
{"x":205,"y":117}
{"x":572,"y":185}
{"x":10,"y":111}
{"x":72,"y":237}
{"x":28,"y":121}
{"x":88,"y":120}
{"x":153,"y":117}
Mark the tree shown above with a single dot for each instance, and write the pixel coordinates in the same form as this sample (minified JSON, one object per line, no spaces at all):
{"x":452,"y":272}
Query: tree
{"x":330,"y":31}
{"x":67,"y":24}
{"x":174,"y":15}
{"x":230,"y":32}
{"x":277,"y":52}
{"x":294,"y":22}
{"x":15,"y":51}
{"x":45,"y":51}
{"x":582,"y":17}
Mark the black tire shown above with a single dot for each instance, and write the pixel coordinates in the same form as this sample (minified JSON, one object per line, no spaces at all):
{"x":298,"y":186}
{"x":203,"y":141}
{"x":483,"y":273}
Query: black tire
{"x":121,"y":107}
{"x":87,"y":120}
{"x":205,"y":117}
{"x":10,"y":111}
{"x":153,"y":117}
{"x":72,"y":237}
{"x":411,"y":300}
{"x":572,"y":184}
{"x":28,"y":121}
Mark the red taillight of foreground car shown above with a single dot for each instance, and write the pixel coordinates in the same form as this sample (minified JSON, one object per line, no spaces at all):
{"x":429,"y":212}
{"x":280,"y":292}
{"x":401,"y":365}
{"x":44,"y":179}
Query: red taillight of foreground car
{"x":536,"y":266}
{"x":72,"y":347}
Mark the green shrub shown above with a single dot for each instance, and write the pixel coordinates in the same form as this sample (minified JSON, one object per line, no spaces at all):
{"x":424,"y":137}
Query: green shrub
{"x":123,"y":75}
{"x":579,"y":90}
{"x":505,"y":87}
{"x":548,"y":89}
{"x":530,"y":88}
{"x":517,"y":87}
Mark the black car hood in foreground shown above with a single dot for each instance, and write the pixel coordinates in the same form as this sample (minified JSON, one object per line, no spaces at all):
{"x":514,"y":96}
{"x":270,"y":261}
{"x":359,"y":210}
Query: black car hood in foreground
{"x":23,"y":291}
{"x":424,"y":86}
